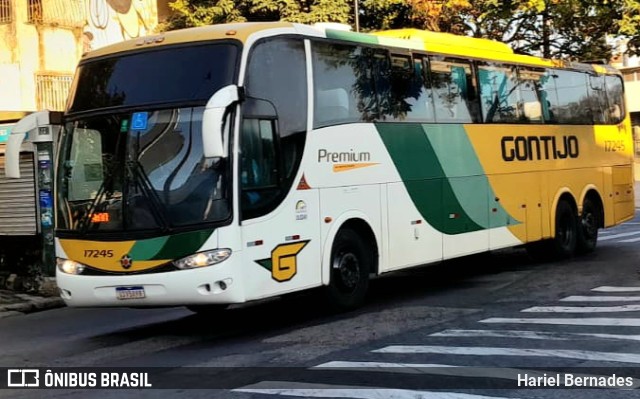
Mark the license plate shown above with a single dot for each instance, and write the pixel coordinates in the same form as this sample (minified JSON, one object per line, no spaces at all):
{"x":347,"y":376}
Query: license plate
{"x":130,"y":292}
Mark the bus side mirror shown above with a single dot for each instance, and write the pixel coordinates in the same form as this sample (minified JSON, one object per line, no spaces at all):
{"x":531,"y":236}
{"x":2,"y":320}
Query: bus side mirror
{"x":213,"y":145}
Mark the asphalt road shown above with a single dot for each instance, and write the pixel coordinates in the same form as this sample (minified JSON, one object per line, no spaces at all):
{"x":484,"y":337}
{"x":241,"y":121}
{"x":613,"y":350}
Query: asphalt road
{"x":459,"y":330}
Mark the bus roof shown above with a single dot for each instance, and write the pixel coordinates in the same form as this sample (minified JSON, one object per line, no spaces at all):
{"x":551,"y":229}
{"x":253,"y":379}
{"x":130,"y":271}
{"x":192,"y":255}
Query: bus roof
{"x":410,"y":39}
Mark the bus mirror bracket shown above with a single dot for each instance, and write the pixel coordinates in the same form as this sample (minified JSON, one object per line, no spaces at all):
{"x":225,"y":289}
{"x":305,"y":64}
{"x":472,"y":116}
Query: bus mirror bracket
{"x":39,"y":126}
{"x":213,"y":121}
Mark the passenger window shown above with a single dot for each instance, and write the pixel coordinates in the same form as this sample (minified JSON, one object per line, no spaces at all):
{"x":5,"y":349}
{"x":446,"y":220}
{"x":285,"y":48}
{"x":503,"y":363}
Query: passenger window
{"x":342,"y":84}
{"x":453,"y":88}
{"x":615,"y":94}
{"x":567,"y":96}
{"x":598,"y":99}
{"x":402,"y":95}
{"x":498,"y":93}
{"x":421,"y":102}
{"x":530,"y":107}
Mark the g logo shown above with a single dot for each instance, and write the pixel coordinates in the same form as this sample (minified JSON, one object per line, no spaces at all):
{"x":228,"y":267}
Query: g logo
{"x":283,"y":263}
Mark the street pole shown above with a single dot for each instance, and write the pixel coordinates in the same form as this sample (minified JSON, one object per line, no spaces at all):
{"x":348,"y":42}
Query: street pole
{"x":357,"y":16}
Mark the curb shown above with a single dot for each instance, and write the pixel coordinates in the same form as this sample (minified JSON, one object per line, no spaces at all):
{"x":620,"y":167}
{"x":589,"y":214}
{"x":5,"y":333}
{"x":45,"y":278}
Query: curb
{"x":31,"y":304}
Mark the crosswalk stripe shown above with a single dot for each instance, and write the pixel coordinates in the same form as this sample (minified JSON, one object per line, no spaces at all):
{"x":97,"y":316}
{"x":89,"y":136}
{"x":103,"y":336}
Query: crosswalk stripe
{"x":357,"y":392}
{"x":489,"y":351}
{"x":620,"y":235}
{"x":530,"y":335}
{"x":499,"y":334}
{"x":580,"y":298}
{"x":590,"y":321}
{"x":507,"y":373}
{"x":630,"y":240}
{"x":582,"y":309}
{"x":606,"y":288}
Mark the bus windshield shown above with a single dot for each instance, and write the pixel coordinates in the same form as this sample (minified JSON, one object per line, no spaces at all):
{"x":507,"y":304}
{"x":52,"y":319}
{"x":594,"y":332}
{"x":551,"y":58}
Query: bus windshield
{"x":160,"y":76}
{"x":131,"y":156}
{"x":116,"y":176}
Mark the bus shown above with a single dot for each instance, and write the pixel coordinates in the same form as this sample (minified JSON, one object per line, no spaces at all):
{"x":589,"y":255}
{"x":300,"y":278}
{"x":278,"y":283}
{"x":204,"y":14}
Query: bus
{"x":231,"y":163}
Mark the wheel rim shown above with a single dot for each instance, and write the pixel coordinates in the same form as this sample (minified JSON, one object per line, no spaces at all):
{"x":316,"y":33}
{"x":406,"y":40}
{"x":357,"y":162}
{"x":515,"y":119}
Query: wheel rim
{"x":347,"y":268}
{"x":566,"y":233}
{"x":589,"y":224}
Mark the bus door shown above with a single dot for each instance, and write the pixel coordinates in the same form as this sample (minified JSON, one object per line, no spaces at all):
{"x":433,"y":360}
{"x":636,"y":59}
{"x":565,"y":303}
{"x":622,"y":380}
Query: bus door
{"x":279,"y":215}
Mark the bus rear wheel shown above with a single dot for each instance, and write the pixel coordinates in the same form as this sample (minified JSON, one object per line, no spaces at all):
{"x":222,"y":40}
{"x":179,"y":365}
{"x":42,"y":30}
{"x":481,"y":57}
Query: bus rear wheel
{"x":566,"y":238}
{"x":351,"y":261}
{"x":588,"y":226}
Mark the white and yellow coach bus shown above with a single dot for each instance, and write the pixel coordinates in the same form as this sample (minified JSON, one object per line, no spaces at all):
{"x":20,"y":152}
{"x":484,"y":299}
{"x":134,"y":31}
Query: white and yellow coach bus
{"x":230,"y":163}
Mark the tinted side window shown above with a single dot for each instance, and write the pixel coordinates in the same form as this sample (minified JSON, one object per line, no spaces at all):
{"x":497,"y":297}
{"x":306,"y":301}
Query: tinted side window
{"x":402,"y":95}
{"x":343,"y":84}
{"x":615,"y":94}
{"x":274,"y":123}
{"x":454,"y":91}
{"x":567,"y":96}
{"x":499,"y":95}
{"x":598,"y":102}
{"x":277,"y":73}
{"x":530,"y":107}
{"x":165,"y":75}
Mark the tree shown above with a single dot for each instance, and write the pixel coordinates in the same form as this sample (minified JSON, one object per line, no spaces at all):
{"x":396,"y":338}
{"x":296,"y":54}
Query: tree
{"x":630,"y":25}
{"x":568,"y":29}
{"x":189,"y":13}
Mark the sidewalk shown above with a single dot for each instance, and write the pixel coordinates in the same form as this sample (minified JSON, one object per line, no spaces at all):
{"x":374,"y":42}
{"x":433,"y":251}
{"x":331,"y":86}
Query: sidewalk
{"x":13,"y":303}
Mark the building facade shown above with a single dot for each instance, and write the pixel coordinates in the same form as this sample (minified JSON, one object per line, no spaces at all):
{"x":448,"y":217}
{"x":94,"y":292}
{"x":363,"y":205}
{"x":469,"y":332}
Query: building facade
{"x":41,"y":42}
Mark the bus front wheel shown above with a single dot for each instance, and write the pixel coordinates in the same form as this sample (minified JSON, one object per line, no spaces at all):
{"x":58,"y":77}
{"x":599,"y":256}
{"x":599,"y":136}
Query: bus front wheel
{"x":351,"y":261}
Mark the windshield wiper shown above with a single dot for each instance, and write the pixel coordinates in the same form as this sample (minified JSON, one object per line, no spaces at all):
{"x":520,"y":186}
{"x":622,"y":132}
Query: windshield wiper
{"x":143,"y":181}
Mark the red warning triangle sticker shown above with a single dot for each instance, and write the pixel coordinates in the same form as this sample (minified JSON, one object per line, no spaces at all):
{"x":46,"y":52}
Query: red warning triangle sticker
{"x":303,"y":184}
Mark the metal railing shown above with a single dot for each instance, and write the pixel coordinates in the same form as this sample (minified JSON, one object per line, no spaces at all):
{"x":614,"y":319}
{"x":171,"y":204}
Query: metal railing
{"x":52,"y":90}
{"x":63,"y":13}
{"x":6,"y":11}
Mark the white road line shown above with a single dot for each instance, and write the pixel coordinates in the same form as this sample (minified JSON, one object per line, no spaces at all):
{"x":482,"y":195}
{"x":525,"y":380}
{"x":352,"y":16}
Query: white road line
{"x":530,"y":335}
{"x":582,"y":309}
{"x":488,"y":351}
{"x":630,"y":240}
{"x":446,"y":369}
{"x":606,"y":288}
{"x":499,"y":334}
{"x":619,"y":235}
{"x":580,"y":298}
{"x":613,"y":336}
{"x":358,"y":392}
{"x":588,"y":321}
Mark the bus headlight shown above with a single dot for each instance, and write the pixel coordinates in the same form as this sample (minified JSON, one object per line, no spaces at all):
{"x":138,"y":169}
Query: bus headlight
{"x":202,"y":259}
{"x":69,"y":266}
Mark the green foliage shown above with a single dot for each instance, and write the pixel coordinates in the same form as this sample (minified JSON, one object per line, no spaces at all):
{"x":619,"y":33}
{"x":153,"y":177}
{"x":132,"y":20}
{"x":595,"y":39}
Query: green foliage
{"x":189,"y":13}
{"x":569,"y":29}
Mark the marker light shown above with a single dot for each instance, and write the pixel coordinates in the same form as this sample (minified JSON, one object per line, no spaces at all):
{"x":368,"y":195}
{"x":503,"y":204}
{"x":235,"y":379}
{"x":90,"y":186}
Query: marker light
{"x":202,"y":259}
{"x":69,"y":266}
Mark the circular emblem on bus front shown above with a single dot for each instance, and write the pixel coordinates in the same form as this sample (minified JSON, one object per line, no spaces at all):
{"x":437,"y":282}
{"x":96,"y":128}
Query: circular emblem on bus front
{"x":126,"y":262}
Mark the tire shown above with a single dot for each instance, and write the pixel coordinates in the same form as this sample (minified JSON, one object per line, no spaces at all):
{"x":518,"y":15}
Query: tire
{"x":588,"y":225}
{"x":351,"y":262}
{"x":566,"y":237}
{"x":207,"y":310}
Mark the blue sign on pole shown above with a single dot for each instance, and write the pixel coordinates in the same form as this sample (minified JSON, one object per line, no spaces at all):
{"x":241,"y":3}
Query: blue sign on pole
{"x":139,"y":121}
{"x":5,"y":131}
